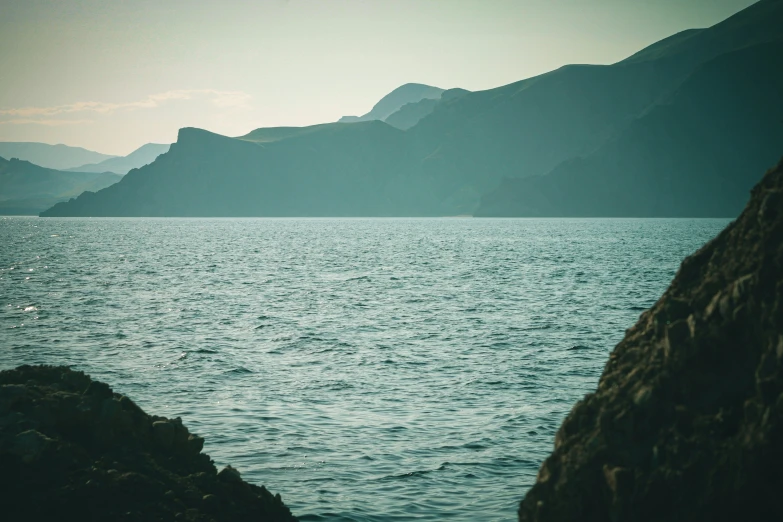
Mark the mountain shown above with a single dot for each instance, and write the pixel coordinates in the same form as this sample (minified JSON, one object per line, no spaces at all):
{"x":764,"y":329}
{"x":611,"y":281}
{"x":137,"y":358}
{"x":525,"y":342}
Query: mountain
{"x":58,"y":157}
{"x":694,"y":155}
{"x":412,"y":113}
{"x":338,"y":169}
{"x":702,"y":101}
{"x":392,"y":102}
{"x":144,"y":155}
{"x":695,"y":152}
{"x":28,"y":189}
{"x":686,"y":422}
{"x":530,"y":127}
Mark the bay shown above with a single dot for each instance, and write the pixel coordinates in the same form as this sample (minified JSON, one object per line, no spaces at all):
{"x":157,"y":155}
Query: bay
{"x":365,"y":369}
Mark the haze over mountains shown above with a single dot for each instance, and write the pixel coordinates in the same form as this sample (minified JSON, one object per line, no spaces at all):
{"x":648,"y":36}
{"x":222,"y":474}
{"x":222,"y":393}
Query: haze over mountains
{"x":26,"y":188}
{"x":410,"y":93}
{"x":58,"y":157}
{"x":681,"y":128}
{"x":144,"y":155}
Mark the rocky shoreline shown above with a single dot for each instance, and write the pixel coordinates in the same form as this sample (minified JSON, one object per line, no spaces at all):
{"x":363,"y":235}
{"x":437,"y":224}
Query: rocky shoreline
{"x":71,"y":449}
{"x":687,"y":420}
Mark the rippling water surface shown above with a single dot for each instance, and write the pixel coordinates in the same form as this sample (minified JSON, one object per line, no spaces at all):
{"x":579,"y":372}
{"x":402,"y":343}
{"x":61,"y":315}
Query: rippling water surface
{"x":366,"y":369}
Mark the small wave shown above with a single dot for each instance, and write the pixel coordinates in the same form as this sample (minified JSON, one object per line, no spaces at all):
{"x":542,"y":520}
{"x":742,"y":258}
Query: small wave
{"x":330,"y":517}
{"x":336,"y":386}
{"x":239,"y":370}
{"x":410,"y":475}
{"x":358,"y":278}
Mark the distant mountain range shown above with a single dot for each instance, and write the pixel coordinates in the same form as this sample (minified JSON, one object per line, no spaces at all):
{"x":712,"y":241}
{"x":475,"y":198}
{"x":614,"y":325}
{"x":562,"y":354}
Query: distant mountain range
{"x":58,"y":157}
{"x":26,"y":188}
{"x":144,"y":155}
{"x":681,"y":128}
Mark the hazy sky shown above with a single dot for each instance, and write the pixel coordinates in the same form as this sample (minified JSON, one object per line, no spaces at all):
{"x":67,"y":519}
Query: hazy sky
{"x":111,"y":75}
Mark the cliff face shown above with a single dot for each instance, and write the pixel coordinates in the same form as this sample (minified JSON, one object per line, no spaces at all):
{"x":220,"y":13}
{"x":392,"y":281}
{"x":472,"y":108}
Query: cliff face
{"x":72,"y":450}
{"x":687,"y":420}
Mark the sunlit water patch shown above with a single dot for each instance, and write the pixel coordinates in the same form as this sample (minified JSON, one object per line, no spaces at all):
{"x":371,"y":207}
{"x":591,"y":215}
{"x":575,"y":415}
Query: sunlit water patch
{"x":366,"y":369}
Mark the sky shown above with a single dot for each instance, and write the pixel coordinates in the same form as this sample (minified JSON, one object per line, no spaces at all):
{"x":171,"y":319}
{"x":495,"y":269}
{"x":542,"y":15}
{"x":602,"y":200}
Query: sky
{"x":111,"y":75}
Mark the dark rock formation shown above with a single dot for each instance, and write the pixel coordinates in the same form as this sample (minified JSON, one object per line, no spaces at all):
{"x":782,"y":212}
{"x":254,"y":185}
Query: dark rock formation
{"x":70,"y":449}
{"x":687,"y":421}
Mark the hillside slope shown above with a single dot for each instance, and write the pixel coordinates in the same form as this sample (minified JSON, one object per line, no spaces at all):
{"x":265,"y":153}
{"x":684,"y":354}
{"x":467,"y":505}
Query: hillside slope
{"x":530,"y":127}
{"x":696,"y":154}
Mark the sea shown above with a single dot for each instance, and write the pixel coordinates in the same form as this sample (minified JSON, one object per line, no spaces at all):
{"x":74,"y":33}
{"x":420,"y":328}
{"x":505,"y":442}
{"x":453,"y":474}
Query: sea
{"x":365,"y":369}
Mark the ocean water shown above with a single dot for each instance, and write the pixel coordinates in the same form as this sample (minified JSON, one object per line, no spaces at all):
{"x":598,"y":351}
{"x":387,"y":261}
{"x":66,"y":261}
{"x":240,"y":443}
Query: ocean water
{"x":365,"y":369}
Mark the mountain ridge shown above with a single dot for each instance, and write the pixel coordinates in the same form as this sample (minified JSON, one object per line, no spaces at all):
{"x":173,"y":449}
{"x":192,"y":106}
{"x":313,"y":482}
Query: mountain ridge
{"x":392,"y":102}
{"x":58,"y":157}
{"x":623,"y":179}
{"x":144,"y":155}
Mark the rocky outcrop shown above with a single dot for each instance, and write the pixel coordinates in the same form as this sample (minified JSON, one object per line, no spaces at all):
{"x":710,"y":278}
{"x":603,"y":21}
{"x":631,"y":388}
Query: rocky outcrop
{"x":687,"y":420}
{"x":71,"y":449}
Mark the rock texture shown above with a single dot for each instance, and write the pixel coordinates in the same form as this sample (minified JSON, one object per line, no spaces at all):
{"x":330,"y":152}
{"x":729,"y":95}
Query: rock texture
{"x":687,"y":420}
{"x":71,"y":449}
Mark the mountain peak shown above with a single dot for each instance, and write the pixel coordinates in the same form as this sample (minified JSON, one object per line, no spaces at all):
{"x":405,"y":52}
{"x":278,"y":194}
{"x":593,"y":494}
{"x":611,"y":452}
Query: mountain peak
{"x":395,"y":100}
